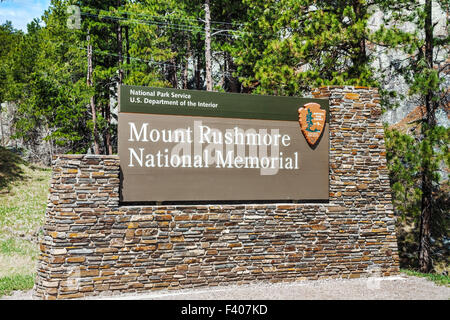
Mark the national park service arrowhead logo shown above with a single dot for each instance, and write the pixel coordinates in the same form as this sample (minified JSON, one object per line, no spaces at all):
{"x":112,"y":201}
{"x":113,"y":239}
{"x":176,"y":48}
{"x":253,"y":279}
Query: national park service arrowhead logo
{"x":312,"y":121}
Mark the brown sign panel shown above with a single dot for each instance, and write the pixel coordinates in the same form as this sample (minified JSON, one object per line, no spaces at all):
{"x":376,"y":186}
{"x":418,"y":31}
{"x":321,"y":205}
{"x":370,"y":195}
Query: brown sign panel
{"x":171,"y":156}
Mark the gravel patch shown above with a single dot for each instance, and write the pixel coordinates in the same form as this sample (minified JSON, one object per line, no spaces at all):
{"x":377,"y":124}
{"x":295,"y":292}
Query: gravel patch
{"x":401,"y":287}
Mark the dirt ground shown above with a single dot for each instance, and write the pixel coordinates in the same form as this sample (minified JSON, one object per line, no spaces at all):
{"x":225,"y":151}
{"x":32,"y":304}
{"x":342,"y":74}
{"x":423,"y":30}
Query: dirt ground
{"x":400,"y":287}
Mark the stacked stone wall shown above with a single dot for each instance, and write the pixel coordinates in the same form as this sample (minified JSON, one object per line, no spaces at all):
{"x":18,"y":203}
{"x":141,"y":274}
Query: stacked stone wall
{"x":93,"y":244}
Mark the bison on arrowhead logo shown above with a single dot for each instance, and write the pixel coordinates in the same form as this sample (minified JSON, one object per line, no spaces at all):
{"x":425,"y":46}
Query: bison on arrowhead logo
{"x":312,"y":121}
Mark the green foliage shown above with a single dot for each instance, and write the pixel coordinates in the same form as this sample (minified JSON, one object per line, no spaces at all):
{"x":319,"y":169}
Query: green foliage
{"x":151,"y":46}
{"x":421,"y":69}
{"x":9,"y":38}
{"x":407,"y":155}
{"x":16,"y":282}
{"x":47,"y":82}
{"x":403,"y":157}
{"x":286,"y":47}
{"x":422,"y":75}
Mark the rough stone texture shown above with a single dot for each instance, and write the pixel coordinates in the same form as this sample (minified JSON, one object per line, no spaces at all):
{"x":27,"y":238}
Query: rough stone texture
{"x":93,"y":244}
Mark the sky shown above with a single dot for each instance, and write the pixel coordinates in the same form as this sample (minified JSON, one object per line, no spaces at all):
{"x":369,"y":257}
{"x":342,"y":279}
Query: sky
{"x":22,"y":12}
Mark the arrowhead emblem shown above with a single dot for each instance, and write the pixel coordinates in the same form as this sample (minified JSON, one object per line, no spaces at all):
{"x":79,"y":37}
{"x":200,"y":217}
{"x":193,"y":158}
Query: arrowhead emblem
{"x":312,"y":121}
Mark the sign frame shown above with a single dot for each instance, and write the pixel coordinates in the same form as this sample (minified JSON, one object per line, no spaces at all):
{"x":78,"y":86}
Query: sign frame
{"x":145,"y":103}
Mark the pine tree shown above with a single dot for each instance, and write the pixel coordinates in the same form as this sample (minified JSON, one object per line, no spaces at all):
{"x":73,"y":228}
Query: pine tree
{"x":423,"y":72}
{"x":309,"y":121}
{"x":56,"y":93}
{"x":287,"y":46}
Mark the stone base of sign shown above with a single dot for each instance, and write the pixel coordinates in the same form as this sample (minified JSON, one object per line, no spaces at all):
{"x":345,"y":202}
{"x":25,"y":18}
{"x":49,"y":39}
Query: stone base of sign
{"x":93,"y":244}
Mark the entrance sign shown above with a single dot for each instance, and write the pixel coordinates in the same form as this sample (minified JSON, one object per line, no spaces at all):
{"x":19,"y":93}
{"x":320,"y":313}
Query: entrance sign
{"x":187,"y":145}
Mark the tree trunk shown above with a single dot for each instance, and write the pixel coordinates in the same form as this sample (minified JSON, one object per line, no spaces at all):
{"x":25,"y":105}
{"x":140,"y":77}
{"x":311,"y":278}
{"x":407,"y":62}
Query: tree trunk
{"x":425,"y":221}
{"x":107,"y":109}
{"x":119,"y":46}
{"x":198,"y":80}
{"x":173,"y":73}
{"x":361,"y":59}
{"x":92,"y":100}
{"x":1,"y":127}
{"x":108,"y":146}
{"x":209,"y":85}
{"x":425,"y":262}
{"x":232,"y":83}
{"x":127,"y":40}
{"x":221,"y":83}
{"x":186,"y":65}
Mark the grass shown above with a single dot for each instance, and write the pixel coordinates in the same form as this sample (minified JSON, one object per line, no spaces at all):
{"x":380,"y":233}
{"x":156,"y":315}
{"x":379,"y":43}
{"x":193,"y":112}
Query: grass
{"x":16,"y":282}
{"x":23,"y":200}
{"x":12,"y":246}
{"x":22,"y":208}
{"x":439,"y":279}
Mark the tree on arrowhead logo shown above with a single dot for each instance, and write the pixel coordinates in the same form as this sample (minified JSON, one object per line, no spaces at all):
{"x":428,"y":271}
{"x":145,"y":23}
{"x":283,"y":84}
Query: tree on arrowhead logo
{"x":312,"y":121}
